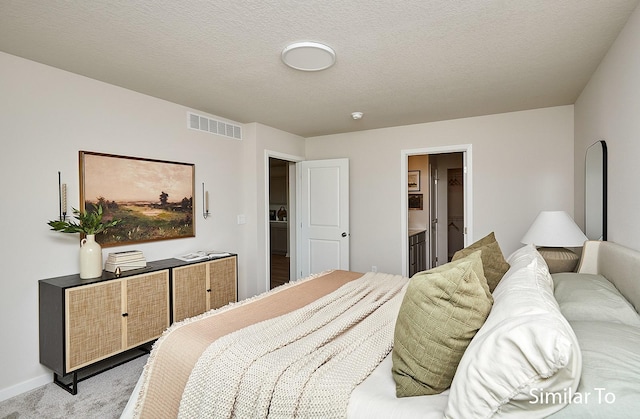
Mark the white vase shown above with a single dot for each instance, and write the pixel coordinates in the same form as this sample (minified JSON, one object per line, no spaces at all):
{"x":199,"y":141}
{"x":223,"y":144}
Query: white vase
{"x":90,"y":258}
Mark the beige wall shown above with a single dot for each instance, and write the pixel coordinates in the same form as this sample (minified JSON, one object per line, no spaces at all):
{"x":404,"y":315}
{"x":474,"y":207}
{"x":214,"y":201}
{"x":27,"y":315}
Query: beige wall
{"x":607,"y":110}
{"x":48,"y":115}
{"x":522,"y":164}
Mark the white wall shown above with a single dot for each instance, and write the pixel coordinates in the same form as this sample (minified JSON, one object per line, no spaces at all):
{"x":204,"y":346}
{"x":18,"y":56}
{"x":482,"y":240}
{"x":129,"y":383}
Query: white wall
{"x":522,"y":164}
{"x":608,"y":110}
{"x":47,"y":116}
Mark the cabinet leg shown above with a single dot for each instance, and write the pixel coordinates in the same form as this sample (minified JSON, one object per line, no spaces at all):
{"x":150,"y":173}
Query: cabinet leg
{"x":70,"y":384}
{"x":72,"y":387}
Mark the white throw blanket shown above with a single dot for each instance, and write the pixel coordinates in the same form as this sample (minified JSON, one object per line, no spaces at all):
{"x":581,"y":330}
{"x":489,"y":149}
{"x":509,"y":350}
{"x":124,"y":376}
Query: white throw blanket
{"x":302,"y":364}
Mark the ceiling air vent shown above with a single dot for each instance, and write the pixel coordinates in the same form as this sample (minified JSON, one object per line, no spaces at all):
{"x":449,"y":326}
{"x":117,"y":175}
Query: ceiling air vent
{"x":213,"y":126}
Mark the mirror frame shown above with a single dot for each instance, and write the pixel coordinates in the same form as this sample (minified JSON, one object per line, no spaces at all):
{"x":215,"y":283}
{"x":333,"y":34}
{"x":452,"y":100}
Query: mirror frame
{"x":592,"y":148}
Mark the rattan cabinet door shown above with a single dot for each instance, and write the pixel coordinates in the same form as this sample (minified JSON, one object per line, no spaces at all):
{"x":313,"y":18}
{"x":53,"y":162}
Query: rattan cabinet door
{"x":147,"y":310}
{"x":222,"y":282}
{"x":189,"y":291}
{"x":94,"y":323}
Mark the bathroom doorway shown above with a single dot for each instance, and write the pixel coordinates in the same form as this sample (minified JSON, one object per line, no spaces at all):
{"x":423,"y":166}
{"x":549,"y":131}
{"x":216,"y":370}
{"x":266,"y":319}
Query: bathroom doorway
{"x":437,"y":206}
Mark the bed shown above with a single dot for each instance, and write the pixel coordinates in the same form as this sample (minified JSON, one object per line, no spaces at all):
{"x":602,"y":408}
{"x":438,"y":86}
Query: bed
{"x":346,"y":344}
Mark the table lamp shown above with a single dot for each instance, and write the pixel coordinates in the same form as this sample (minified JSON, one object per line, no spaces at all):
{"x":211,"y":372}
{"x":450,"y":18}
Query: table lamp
{"x":552,"y":232}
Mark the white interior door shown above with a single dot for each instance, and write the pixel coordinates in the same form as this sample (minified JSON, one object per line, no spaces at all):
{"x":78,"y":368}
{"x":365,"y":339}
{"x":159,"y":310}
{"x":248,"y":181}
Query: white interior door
{"x":323,"y":210}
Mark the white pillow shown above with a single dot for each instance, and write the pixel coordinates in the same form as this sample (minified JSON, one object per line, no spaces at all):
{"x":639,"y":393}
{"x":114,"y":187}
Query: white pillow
{"x":523,"y":257}
{"x":525,"y":349}
{"x":592,"y":298}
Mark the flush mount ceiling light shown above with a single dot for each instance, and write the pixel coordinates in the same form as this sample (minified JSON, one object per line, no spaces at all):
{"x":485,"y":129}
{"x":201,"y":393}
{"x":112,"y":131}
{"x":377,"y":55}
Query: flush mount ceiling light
{"x":357,"y":115}
{"x":308,"y":56}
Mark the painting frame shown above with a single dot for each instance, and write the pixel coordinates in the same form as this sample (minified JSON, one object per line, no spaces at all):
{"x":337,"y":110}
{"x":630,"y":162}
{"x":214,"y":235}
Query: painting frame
{"x":154,"y":199}
{"x":413,"y":180}
{"x":415,"y":201}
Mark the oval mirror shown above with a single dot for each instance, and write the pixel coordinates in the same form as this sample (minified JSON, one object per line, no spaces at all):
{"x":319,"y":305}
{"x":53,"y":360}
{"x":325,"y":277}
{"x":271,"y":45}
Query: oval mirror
{"x":595,"y":196}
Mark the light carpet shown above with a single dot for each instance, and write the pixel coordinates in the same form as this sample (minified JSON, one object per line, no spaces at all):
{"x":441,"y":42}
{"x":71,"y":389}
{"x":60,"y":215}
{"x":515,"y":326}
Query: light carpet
{"x":102,"y":396}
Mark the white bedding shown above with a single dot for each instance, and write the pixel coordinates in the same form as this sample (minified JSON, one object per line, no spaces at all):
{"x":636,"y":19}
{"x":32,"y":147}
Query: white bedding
{"x":127,"y":413}
{"x":610,"y":356}
{"x":374,"y":398}
{"x":302,"y":364}
{"x":610,"y":382}
{"x":608,"y":329}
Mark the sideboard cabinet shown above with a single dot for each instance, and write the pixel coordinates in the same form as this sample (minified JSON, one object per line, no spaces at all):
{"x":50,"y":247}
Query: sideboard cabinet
{"x":203,"y":286}
{"x":84,"y":321}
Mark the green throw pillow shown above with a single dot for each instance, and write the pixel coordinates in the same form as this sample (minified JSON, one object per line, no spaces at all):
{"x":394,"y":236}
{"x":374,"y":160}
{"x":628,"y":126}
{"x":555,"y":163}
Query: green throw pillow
{"x":442,"y":310}
{"x":493,"y":262}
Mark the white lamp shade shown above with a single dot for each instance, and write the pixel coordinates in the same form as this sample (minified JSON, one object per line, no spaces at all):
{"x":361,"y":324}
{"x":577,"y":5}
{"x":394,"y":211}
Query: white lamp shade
{"x":554,"y":229}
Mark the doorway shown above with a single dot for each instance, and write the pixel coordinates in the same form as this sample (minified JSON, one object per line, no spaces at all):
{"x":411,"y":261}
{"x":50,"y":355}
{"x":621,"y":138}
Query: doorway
{"x":280,"y":215}
{"x":297,"y":190}
{"x":280,"y":208}
{"x":437,"y":205}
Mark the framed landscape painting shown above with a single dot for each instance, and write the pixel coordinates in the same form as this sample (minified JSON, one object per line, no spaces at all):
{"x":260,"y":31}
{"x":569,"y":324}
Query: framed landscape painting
{"x":152,"y":198}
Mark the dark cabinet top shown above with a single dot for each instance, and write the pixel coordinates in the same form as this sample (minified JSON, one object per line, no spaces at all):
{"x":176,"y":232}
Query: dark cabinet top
{"x":74,"y":280}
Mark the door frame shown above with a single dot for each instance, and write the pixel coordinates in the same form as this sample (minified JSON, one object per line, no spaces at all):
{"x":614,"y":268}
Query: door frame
{"x":465,"y":149}
{"x":292,"y":213}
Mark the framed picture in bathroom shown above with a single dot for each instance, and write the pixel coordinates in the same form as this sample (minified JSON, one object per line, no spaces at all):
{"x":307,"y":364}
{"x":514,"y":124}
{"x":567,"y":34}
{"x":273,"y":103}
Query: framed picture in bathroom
{"x":413,"y":180}
{"x":415,"y":201}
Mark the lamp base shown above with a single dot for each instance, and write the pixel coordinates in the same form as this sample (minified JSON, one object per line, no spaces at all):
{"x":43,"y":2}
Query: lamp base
{"x":559,"y":259}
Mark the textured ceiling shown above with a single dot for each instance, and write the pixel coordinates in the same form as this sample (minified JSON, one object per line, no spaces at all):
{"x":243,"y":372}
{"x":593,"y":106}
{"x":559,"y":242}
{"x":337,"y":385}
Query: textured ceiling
{"x":399,"y":62}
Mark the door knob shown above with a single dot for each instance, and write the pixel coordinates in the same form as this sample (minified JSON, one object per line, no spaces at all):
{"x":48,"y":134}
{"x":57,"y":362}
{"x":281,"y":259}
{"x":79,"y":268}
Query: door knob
{"x":344,"y":234}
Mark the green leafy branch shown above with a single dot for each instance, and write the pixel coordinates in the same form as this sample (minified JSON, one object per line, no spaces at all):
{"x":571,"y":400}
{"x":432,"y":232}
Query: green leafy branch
{"x":88,"y":223}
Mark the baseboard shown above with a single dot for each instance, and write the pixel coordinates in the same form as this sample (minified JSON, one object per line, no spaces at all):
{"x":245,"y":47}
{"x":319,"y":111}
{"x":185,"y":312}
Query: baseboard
{"x":25,"y":386}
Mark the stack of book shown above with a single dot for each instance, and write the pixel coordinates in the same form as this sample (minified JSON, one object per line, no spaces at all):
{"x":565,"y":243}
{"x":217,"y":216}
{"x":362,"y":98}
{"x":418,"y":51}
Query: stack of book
{"x":202,"y":255}
{"x":126,"y":261}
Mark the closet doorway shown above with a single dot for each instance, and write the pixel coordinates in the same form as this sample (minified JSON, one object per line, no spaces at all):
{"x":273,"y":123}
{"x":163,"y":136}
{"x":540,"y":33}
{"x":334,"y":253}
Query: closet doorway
{"x":285,"y":185}
{"x":281,"y":210}
{"x":279,"y":221}
{"x":437,"y":206}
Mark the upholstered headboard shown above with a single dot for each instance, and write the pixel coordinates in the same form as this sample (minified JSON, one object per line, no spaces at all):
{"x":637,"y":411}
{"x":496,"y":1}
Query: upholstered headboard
{"x":619,"y":264}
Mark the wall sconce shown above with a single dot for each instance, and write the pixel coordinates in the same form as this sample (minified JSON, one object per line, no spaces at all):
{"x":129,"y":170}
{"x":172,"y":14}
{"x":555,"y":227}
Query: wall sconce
{"x":205,"y":202}
{"x":62,"y":199}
